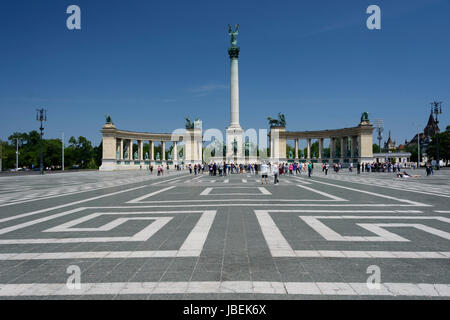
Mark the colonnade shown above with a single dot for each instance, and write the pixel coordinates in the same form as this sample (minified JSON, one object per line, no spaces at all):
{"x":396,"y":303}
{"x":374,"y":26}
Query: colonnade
{"x":119,"y":152}
{"x":349,"y":148}
{"x":125,"y":150}
{"x":355,"y":143}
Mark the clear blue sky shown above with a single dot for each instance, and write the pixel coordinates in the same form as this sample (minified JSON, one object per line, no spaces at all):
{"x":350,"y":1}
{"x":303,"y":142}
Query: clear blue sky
{"x":151,"y":63}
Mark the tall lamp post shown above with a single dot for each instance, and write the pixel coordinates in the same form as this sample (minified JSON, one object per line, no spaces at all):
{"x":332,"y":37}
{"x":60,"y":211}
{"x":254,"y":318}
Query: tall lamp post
{"x":436,"y":108}
{"x":62,"y":151}
{"x":41,"y":115}
{"x":418,"y":149}
{"x":17,"y":154}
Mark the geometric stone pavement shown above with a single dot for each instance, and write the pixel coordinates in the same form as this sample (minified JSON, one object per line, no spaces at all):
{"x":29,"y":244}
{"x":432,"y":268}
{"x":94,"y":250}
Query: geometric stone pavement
{"x":132,"y":235}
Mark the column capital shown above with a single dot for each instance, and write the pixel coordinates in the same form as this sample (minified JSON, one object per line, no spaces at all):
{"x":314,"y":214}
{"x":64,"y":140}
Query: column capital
{"x":234,"y":52}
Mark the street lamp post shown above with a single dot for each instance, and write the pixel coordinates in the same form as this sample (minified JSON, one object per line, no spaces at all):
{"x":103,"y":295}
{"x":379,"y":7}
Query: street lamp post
{"x":17,"y":154}
{"x":41,"y":116}
{"x":62,"y":140}
{"x":418,"y":149}
{"x":436,"y":108}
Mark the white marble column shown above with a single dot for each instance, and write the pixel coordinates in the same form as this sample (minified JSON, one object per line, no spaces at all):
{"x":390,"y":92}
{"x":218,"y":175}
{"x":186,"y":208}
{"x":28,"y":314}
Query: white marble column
{"x":343,"y":148}
{"x":296,"y":149}
{"x":121,"y":149}
{"x":354,"y":142}
{"x":151,"y":150}
{"x":130,"y":148}
{"x":140,"y":149}
{"x":234,"y":93}
{"x":308,"y":149}
{"x":175,"y":151}
{"x":320,"y":148}
{"x":332,"y":148}
{"x":163,"y":150}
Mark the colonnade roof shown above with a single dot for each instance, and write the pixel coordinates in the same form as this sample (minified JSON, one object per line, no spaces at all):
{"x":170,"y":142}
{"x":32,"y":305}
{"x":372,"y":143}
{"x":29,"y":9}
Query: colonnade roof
{"x":333,"y":133}
{"x":145,"y":136}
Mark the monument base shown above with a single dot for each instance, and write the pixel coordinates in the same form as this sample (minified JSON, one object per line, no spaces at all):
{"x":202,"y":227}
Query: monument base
{"x":234,"y":138}
{"x":108,"y":165}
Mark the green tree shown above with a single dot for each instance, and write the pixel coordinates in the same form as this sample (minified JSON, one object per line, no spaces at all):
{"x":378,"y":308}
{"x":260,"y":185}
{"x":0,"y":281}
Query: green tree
{"x":98,"y":155}
{"x":80,"y":152}
{"x":375,"y":148}
{"x":444,"y":146}
{"x":52,"y":153}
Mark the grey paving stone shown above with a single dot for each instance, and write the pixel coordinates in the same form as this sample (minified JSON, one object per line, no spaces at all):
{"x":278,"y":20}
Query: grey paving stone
{"x":235,"y":248}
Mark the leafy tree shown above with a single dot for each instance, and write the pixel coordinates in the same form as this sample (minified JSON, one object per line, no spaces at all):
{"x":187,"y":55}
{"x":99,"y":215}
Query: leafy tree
{"x":314,"y":150}
{"x":444,"y":146}
{"x":375,"y":148}
{"x":52,"y":153}
{"x":80,"y":152}
{"x":98,"y":155}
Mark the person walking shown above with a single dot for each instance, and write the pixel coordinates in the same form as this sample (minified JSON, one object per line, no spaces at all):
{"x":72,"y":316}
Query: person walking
{"x":310,"y":167}
{"x":327,"y":166}
{"x":275,"y":172}
{"x":264,"y":172}
{"x":358,"y":168}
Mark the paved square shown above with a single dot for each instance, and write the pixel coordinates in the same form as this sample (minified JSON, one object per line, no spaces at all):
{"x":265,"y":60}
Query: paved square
{"x":136,"y":235}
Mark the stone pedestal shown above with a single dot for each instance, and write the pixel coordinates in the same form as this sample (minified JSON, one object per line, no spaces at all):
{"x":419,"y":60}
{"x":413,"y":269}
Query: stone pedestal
{"x":234,"y":134}
{"x":277,"y":144}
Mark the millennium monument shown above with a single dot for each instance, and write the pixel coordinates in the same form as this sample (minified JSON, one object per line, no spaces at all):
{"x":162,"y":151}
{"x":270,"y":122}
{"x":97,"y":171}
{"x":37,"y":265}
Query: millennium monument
{"x":234,"y":133}
{"x":125,"y":149}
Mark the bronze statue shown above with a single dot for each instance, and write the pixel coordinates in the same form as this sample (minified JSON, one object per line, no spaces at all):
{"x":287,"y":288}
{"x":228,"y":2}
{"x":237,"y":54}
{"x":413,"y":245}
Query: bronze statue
{"x":193,"y":125}
{"x":189,"y":124}
{"x":108,"y":119}
{"x":365,"y":117}
{"x":233,"y":34}
{"x":280,"y":122}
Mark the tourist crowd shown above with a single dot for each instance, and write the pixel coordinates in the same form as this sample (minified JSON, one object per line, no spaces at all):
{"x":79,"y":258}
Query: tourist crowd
{"x":284,"y":168}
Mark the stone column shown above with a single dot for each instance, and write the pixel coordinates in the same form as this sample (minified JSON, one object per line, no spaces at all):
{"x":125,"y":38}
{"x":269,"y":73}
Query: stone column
{"x":141,"y":150}
{"x":296,"y":149}
{"x":234,"y":88}
{"x":200,"y":151}
{"x":320,"y":148}
{"x":332,"y":148}
{"x":121,"y":149}
{"x":358,"y":139}
{"x":151,"y":150}
{"x":130,"y":148}
{"x":354,"y":143}
{"x":271,"y":146}
{"x":343,"y":148}
{"x":308,"y":149}
{"x":175,"y":152}
{"x":163,"y":150}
